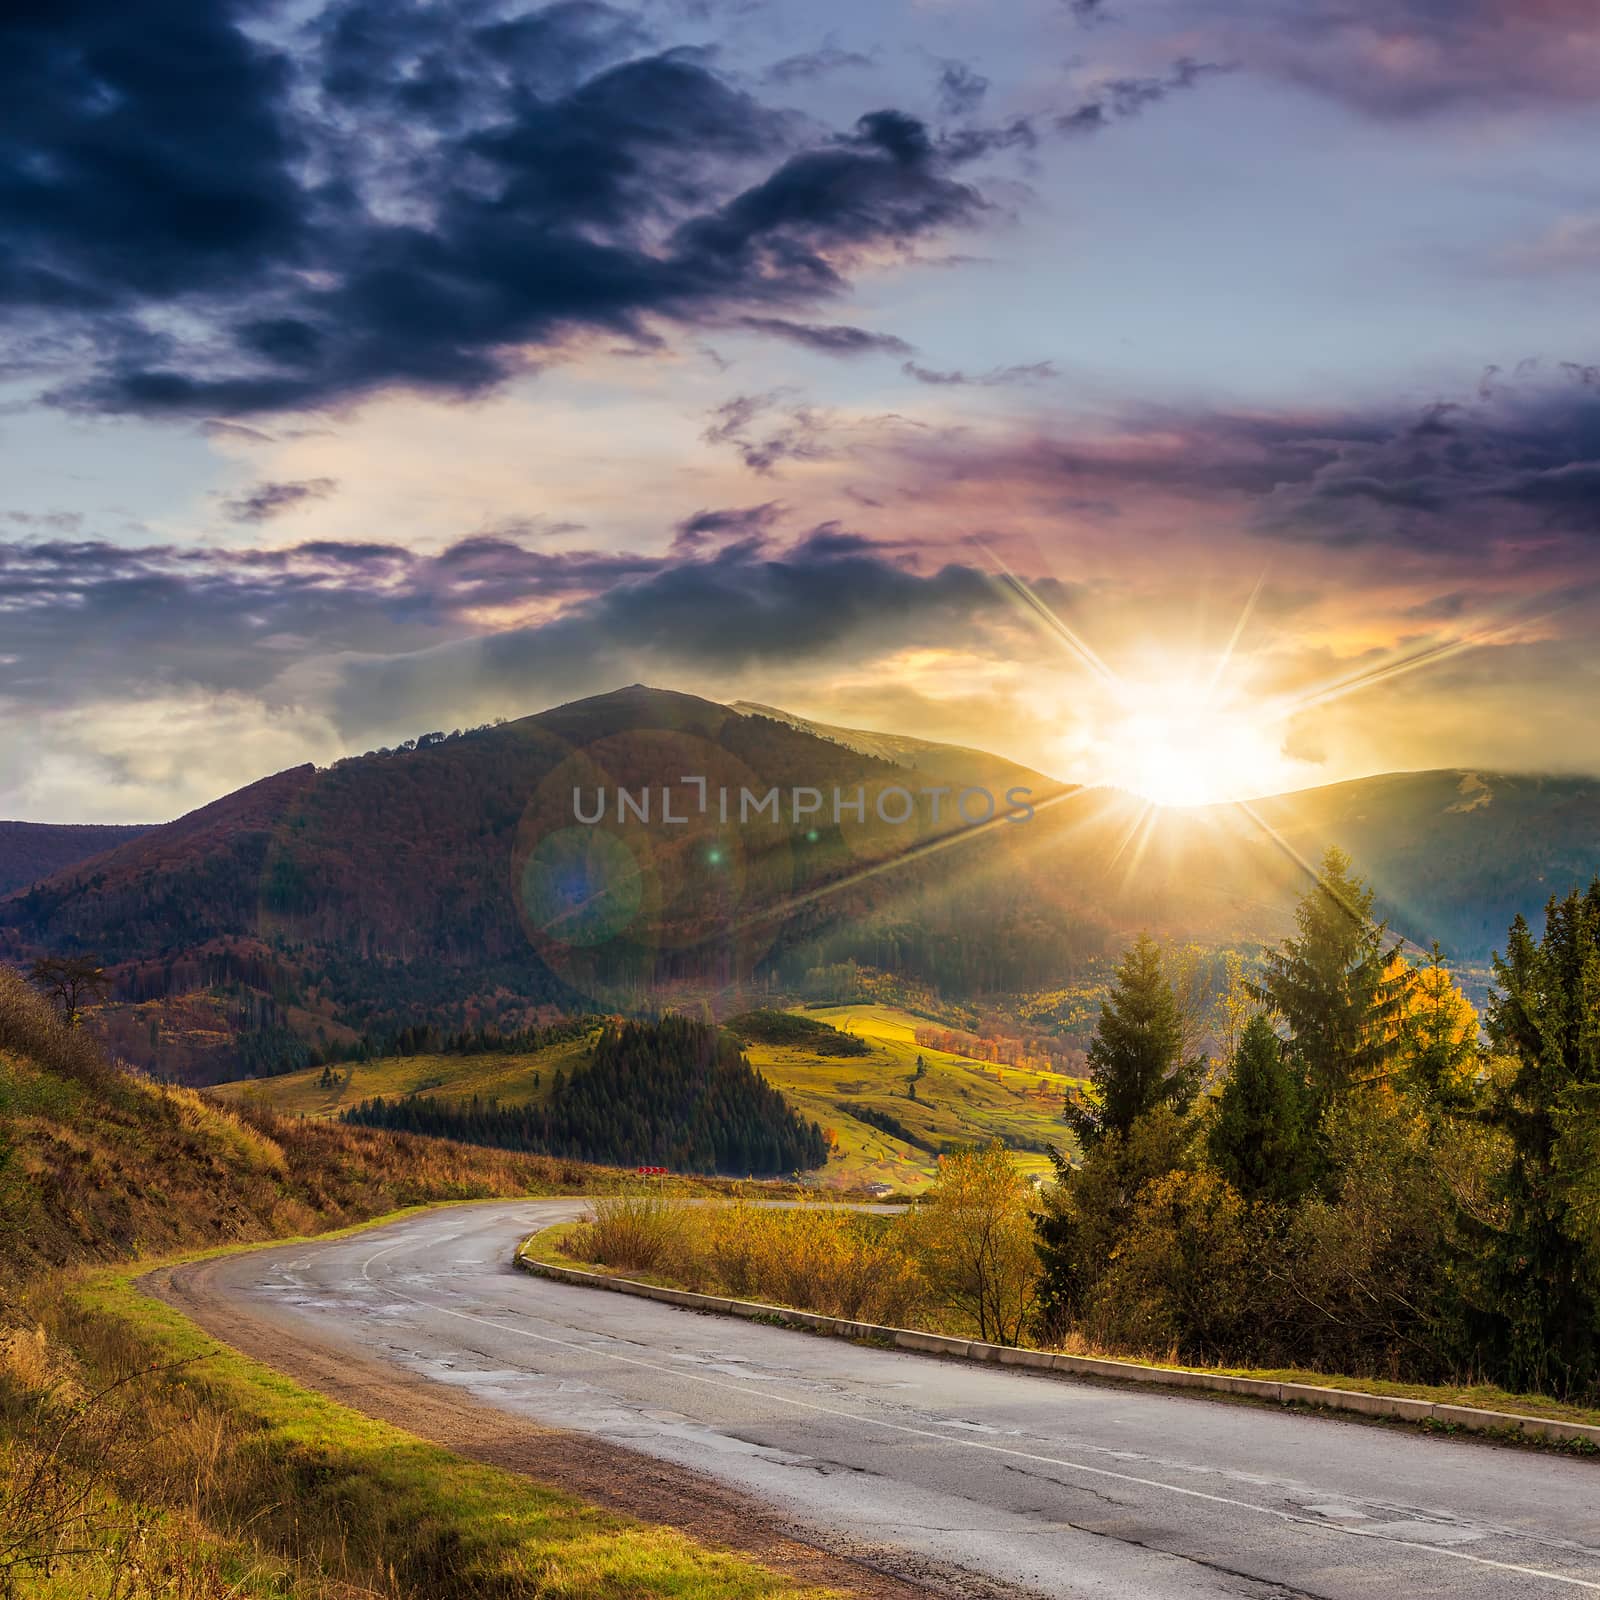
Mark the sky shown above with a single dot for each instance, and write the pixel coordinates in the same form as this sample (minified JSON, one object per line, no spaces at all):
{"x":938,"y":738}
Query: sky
{"x":1196,"y":395}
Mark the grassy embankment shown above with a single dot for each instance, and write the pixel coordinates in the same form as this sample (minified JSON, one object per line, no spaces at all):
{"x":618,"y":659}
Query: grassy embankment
{"x":139,"y":1458}
{"x":958,"y":1101}
{"x":841,"y":1264}
{"x":211,"y":1475}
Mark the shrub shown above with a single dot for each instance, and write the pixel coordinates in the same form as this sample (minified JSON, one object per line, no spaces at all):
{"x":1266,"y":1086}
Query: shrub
{"x":635,"y":1231}
{"x":1181,"y":1282}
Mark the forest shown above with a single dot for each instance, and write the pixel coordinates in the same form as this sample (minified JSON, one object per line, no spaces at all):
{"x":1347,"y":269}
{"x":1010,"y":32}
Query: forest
{"x":1360,"y":1177}
{"x":677,"y":1093}
{"x":1371,"y":1183}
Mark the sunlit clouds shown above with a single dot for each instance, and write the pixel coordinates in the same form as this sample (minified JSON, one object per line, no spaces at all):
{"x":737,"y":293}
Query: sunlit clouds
{"x":1095,"y":391}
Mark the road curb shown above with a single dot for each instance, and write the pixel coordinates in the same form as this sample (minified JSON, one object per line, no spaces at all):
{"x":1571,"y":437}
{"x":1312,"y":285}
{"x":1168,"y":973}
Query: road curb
{"x":1398,"y":1408}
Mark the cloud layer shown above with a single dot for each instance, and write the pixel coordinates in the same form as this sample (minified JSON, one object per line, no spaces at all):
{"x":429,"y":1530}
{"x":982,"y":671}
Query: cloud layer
{"x":413,"y":195}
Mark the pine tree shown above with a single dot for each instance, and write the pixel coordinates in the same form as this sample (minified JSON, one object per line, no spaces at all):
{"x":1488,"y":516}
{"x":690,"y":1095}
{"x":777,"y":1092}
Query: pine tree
{"x":1537,"y":1298}
{"x":1260,"y":1139}
{"x":1331,"y":984}
{"x":1136,"y":1056}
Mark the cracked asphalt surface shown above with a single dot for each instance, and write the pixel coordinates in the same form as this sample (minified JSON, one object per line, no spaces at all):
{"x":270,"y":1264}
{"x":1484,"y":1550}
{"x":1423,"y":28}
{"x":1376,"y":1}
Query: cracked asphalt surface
{"x":959,"y":1479}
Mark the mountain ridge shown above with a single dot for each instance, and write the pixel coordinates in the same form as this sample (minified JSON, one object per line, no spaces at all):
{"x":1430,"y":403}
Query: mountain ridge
{"x":452,"y":882}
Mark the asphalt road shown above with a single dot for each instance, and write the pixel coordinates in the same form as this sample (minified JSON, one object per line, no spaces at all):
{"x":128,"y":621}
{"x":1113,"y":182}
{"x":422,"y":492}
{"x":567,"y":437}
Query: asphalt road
{"x":1038,"y":1484}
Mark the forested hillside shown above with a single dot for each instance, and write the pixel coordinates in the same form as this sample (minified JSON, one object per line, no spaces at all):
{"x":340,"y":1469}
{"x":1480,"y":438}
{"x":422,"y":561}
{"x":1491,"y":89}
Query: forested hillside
{"x":676,"y":1093}
{"x":30,"y":851}
{"x":447,"y":884}
{"x":96,"y":1164}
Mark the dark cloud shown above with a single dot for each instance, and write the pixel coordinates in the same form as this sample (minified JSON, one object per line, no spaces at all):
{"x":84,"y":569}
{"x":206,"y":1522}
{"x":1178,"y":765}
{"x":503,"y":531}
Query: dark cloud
{"x":84,"y":615}
{"x":961,"y":88}
{"x":143,"y":155}
{"x":268,"y":500}
{"x":831,"y":339}
{"x":742,"y":523}
{"x":1517,"y":466}
{"x":740,"y":607}
{"x":375,"y":632}
{"x":1521,"y":460}
{"x":415,"y":195}
{"x":1117,"y":99}
{"x":995,"y":377}
{"x":815,"y":64}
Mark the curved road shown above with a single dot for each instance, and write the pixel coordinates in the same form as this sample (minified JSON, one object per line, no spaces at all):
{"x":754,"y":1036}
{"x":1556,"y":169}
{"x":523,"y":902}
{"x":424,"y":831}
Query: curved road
{"x":1038,"y":1484}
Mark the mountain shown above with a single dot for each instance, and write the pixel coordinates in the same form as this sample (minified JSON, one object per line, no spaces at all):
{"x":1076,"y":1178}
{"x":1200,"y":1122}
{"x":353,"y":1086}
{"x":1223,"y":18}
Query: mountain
{"x":1454,"y":855}
{"x":944,"y":763}
{"x":593,"y":857}
{"x":30,"y":851}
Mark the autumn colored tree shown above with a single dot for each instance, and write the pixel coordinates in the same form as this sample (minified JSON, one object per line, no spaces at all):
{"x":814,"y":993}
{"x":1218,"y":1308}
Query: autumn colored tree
{"x":1436,"y":1033}
{"x":1236,"y":1003}
{"x":975,"y":1240}
{"x":1136,"y":1059}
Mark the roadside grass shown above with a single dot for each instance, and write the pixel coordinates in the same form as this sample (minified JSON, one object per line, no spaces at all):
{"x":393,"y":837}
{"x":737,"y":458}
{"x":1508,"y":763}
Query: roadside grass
{"x":555,"y":1246}
{"x":210,"y":1475}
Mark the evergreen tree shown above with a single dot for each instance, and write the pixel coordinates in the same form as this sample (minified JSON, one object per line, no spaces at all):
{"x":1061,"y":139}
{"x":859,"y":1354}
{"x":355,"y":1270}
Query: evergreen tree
{"x":1260,"y":1139}
{"x":1136,"y":1056}
{"x":1536,"y":1302}
{"x":1332,"y":984}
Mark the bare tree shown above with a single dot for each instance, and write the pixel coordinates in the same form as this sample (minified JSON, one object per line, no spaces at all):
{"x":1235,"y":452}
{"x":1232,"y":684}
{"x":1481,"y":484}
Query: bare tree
{"x":71,"y":982}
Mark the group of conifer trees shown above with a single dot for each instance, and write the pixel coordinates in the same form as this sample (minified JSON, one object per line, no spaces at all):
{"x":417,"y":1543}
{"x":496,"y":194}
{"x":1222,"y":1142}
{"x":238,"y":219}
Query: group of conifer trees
{"x":1367,"y":1181}
{"x":676,"y":1093}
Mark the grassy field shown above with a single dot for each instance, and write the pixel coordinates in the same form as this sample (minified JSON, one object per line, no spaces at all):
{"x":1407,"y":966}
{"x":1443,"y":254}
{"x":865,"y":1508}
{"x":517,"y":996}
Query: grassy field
{"x":514,"y":1079}
{"x":958,"y":1100}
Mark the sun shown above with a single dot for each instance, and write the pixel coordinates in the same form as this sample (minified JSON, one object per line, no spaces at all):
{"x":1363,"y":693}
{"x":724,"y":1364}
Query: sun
{"x":1171,"y":744}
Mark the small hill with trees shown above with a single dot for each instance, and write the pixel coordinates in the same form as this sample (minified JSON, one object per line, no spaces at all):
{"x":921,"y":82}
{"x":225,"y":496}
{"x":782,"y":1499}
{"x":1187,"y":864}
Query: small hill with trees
{"x":796,"y":1030}
{"x":677,"y":1093}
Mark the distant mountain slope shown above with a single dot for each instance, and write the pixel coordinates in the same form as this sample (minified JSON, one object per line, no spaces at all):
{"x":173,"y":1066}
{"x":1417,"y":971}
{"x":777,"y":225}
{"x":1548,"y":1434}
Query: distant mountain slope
{"x":1454,"y":855}
{"x":945,"y":763}
{"x":170,"y":888}
{"x":454,"y":881}
{"x":30,"y":851}
{"x":483,"y":876}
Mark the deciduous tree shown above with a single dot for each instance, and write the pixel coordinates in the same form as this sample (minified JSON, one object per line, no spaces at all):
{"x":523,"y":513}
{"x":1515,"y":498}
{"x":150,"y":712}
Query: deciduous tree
{"x":975,"y":1238}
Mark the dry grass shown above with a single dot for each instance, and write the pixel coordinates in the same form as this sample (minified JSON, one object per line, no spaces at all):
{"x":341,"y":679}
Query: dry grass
{"x":141,"y":1459}
{"x":811,"y":1256}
